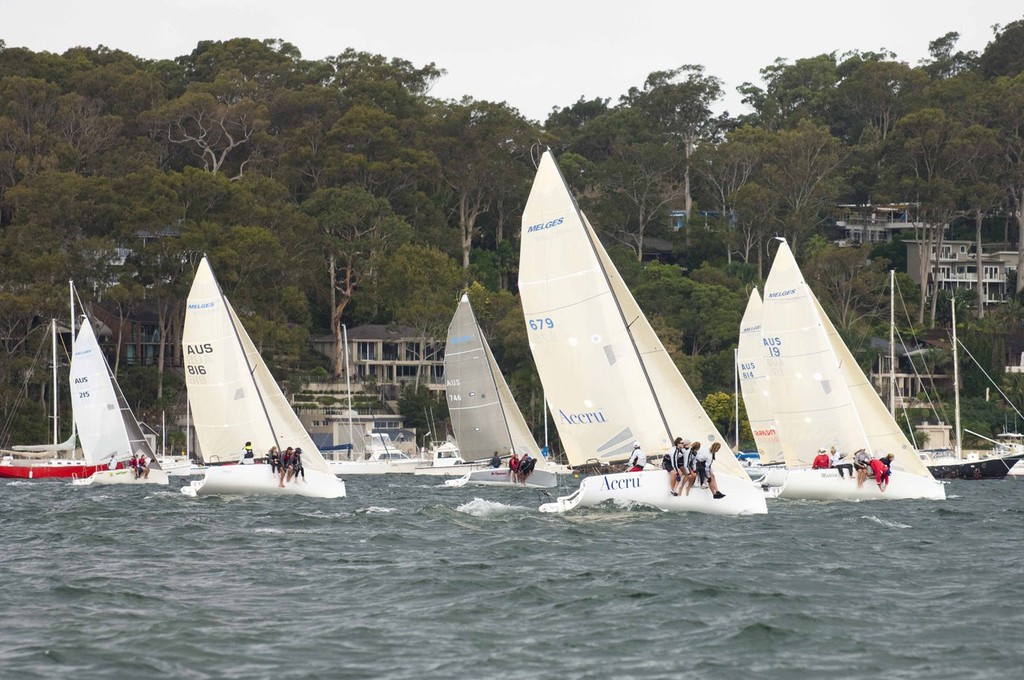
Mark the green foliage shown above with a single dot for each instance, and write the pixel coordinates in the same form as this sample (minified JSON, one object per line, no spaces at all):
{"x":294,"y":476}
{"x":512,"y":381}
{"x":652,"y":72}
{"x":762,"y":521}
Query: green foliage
{"x":119,"y":172}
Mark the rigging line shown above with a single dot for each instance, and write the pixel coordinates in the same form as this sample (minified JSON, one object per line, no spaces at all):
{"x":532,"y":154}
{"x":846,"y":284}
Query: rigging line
{"x":917,"y":375}
{"x":931,"y":377}
{"x":985,"y":373}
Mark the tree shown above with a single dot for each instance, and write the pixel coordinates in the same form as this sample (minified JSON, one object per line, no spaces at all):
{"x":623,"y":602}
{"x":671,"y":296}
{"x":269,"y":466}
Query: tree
{"x":480,"y":148}
{"x":800,"y":167}
{"x":678,"y":104}
{"x":357,"y":230}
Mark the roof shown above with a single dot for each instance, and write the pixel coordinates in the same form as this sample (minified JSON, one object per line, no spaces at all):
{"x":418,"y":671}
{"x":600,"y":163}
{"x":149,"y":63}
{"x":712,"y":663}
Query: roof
{"x":393,"y":333}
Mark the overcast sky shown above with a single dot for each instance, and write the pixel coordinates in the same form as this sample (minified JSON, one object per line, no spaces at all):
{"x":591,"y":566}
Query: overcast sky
{"x":532,"y":54}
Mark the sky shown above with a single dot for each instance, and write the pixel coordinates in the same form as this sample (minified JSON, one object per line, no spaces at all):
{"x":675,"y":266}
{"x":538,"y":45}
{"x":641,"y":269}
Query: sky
{"x":532,"y":54}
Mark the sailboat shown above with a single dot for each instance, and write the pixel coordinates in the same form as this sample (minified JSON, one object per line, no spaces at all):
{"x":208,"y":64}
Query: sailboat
{"x":483,"y":411}
{"x":821,"y":398}
{"x":56,"y":460}
{"x":956,"y":464}
{"x":106,"y":425}
{"x":234,"y":399}
{"x":755,"y":385}
{"x":606,"y":375}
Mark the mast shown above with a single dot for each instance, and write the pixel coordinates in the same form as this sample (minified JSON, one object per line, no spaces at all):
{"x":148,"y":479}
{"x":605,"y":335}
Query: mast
{"x":892,"y":344}
{"x":595,"y":247}
{"x":53,"y":334}
{"x":736,"y":390}
{"x":188,"y":431}
{"x":252,"y":369}
{"x":956,"y":384}
{"x":348,"y":389}
{"x":71,"y":294}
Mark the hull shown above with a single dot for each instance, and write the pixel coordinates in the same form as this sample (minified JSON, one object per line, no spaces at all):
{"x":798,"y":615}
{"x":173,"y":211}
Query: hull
{"x":373,"y":467}
{"x":251,"y":480}
{"x":650,"y":487}
{"x":121,"y":476}
{"x":538,"y":479}
{"x":985,"y":468}
{"x":768,"y":475}
{"x":176,"y":467}
{"x":50,"y":469}
{"x":826,"y":485}
{"x":449,"y":470}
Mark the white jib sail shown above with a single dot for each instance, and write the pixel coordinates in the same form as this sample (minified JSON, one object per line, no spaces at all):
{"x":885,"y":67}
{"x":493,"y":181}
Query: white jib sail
{"x":811,"y":402}
{"x":232,"y":394}
{"x":755,"y":383}
{"x":484,"y":414}
{"x":607,"y":377}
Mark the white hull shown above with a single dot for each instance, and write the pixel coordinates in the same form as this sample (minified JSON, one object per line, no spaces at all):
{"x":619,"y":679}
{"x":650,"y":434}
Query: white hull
{"x":826,"y":485}
{"x":449,"y":470}
{"x":538,"y":479}
{"x":373,"y":467}
{"x":249,"y":480}
{"x":768,"y":475}
{"x":176,"y":467}
{"x":121,"y":476}
{"x":651,"y":487}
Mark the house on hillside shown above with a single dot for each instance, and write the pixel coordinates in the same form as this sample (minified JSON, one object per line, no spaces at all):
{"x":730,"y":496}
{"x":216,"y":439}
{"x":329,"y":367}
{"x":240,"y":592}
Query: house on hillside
{"x":134,"y":335}
{"x":389,"y":356}
{"x":874,"y":223}
{"x":958,"y":268}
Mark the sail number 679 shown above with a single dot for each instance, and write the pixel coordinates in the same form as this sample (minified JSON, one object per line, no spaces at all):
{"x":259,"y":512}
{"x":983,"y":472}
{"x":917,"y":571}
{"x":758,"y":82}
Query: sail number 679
{"x":541,"y":324}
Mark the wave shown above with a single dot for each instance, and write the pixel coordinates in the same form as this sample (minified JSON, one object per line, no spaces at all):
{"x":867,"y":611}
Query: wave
{"x":478,"y":507}
{"x":886,"y":522}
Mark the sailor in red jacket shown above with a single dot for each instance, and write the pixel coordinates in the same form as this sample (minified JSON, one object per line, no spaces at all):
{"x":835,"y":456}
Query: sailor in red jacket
{"x":881,"y":471}
{"x":821,"y":461}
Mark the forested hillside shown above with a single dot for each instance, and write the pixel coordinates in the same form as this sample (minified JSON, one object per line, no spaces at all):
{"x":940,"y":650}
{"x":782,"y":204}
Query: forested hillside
{"x":339,"y":191}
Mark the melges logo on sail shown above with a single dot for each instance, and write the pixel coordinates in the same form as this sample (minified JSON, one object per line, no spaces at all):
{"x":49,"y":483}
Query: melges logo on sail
{"x":781,"y":293}
{"x":201,"y":305}
{"x":545,"y":225}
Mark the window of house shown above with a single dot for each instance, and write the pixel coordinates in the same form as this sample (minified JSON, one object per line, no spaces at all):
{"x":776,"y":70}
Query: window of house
{"x":405,"y":371}
{"x":412,"y":351}
{"x":367,"y":351}
{"x":389,"y":352}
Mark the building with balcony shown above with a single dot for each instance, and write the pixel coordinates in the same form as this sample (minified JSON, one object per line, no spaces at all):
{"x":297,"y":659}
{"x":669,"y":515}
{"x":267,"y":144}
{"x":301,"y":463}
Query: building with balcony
{"x":958,"y":268}
{"x":389,"y":357}
{"x":874,"y":223}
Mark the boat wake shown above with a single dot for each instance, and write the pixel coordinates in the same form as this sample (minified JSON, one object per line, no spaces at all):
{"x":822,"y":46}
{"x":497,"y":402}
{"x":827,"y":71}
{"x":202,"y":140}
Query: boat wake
{"x":478,"y":507}
{"x":375,"y":510}
{"x":887,"y":522}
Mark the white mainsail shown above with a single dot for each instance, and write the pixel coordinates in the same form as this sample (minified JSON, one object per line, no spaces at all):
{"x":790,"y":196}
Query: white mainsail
{"x":811,"y":403}
{"x":820,"y":395}
{"x":606,"y":375}
{"x":484,"y":413}
{"x":232,"y":395}
{"x":755,"y":383}
{"x":107,"y":428}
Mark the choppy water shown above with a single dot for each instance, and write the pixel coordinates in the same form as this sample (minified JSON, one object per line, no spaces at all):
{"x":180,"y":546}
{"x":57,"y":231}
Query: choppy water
{"x":406,"y":578}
